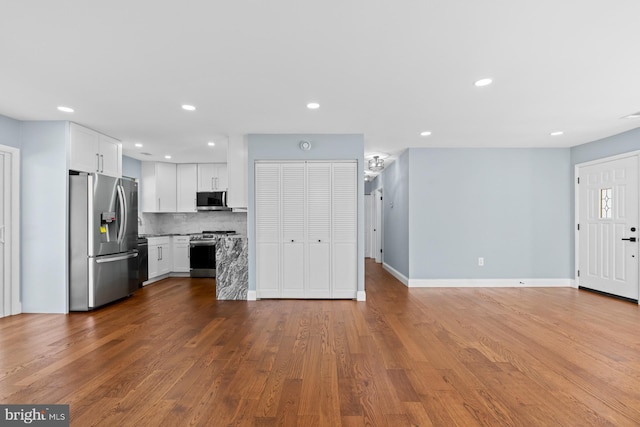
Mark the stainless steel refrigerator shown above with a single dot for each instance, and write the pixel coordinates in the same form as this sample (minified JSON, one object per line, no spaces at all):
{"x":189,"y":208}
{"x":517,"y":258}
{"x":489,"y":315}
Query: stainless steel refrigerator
{"x":103,"y":240}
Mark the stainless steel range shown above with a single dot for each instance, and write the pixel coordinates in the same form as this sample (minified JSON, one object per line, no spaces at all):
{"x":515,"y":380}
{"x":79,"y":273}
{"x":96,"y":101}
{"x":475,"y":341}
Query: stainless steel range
{"x":202,"y":252}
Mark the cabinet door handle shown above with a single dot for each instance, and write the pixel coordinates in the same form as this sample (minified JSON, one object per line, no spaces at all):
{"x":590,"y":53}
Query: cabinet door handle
{"x":102,"y":159}
{"x":158,"y":204}
{"x":212,"y":186}
{"x":97,"y":162}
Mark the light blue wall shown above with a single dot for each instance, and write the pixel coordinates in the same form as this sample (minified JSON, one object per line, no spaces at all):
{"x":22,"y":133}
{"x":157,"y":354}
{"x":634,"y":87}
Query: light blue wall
{"x":44,"y":217}
{"x":9,"y":132}
{"x":510,"y":206}
{"x":606,"y":147}
{"x":286,"y":147}
{"x":396,"y":214}
{"x":131,"y":168}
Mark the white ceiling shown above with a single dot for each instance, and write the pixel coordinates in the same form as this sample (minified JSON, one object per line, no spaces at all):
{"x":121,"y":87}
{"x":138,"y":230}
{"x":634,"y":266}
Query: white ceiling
{"x":386,"y":69}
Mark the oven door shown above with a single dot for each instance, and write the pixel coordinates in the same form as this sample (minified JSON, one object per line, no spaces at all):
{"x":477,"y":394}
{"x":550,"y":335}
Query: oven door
{"x":202,"y":258}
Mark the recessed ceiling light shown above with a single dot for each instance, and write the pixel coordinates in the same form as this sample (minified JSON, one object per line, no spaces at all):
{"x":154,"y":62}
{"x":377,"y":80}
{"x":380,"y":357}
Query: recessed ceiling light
{"x":167,"y":156}
{"x":483,"y":82}
{"x":313,"y":105}
{"x":557,"y":133}
{"x":425,"y":133}
{"x":188,"y":107}
{"x":633,"y":116}
{"x":137,"y":144}
{"x":65,"y":109}
{"x":211,"y":143}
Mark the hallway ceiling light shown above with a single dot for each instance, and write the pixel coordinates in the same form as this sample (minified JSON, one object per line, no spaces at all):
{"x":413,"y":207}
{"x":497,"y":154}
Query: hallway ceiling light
{"x":188,"y":107}
{"x":633,"y":116}
{"x":376,"y":164}
{"x":557,"y":133}
{"x":65,"y":109}
{"x":313,"y":105}
{"x":425,"y":133}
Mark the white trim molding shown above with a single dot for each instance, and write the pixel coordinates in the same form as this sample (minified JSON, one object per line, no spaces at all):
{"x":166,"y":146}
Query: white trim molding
{"x":362,"y":296}
{"x":252,"y":296}
{"x":395,"y":273}
{"x":491,"y":283}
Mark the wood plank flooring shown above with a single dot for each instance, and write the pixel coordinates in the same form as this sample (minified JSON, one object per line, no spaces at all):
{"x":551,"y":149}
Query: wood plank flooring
{"x":172,"y":355}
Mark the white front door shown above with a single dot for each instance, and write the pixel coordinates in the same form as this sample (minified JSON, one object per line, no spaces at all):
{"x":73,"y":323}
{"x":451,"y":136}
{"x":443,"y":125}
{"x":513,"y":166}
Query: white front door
{"x":608,"y":221}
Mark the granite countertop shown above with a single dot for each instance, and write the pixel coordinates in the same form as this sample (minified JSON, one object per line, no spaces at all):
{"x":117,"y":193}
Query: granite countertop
{"x":235,"y":236}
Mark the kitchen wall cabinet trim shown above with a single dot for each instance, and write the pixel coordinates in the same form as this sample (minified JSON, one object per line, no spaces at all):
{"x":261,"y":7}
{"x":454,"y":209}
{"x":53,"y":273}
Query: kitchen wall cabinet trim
{"x":306,"y":229}
{"x":237,"y":154}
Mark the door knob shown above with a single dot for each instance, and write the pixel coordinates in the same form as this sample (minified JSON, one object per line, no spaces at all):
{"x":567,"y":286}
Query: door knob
{"x":631,"y":239}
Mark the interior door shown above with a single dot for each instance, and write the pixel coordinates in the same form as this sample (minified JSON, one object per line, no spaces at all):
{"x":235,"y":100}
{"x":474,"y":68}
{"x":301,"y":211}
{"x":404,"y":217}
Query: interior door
{"x":4,"y":282}
{"x":608,"y":221}
{"x":268,"y":230}
{"x":319,"y":230}
{"x":293,"y":241}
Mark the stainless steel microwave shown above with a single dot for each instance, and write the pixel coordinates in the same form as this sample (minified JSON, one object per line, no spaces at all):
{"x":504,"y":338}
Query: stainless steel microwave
{"x":212,"y":201}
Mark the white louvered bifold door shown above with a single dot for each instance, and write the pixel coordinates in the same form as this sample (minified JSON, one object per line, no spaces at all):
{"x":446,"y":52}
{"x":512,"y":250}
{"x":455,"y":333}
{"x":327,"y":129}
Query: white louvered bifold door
{"x":293,"y":241}
{"x":319,"y":230}
{"x":344,"y":191}
{"x":268,"y":230}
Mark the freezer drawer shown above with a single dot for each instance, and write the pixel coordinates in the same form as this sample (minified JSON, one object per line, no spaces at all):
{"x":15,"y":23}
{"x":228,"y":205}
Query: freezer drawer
{"x":109,"y":278}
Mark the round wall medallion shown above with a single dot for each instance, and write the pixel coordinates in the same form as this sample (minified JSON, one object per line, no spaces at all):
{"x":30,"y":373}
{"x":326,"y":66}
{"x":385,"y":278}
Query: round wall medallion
{"x":305,"y":145}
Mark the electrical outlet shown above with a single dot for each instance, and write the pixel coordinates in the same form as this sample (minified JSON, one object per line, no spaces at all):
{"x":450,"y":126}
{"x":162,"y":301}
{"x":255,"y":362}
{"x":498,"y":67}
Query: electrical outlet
{"x":481,"y":261}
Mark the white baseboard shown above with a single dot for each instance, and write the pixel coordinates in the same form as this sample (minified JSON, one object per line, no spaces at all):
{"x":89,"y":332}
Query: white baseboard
{"x":574,"y":283}
{"x":252,"y":296}
{"x":362,"y":296}
{"x":490,"y":283}
{"x":395,"y":273}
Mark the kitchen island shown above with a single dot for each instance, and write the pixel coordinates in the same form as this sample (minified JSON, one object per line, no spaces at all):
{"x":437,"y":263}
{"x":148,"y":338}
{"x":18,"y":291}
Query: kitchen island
{"x":232,"y":270}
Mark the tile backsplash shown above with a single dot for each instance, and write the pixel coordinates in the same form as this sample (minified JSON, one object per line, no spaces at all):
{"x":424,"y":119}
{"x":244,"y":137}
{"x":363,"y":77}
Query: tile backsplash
{"x":185,"y":223}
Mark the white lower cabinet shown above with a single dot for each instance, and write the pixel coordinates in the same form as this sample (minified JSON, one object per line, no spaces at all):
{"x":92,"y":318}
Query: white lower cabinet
{"x":306,"y":229}
{"x":180,"y":254}
{"x":160,"y":261}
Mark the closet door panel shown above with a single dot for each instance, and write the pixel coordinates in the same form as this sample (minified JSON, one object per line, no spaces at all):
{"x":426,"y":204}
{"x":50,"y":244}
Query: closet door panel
{"x":319,"y":230}
{"x":268,"y":270}
{"x":268,"y":231}
{"x":344,"y":200}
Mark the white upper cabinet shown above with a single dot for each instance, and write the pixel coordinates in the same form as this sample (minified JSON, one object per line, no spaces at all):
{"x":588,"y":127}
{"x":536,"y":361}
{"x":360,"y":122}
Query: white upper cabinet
{"x":212,"y":177}
{"x":237,"y":154}
{"x":158,"y":187}
{"x":187,"y":183}
{"x":91,"y":152}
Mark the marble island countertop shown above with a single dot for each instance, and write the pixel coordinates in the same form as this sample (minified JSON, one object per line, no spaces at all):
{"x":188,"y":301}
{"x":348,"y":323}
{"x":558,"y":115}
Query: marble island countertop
{"x":232,"y":270}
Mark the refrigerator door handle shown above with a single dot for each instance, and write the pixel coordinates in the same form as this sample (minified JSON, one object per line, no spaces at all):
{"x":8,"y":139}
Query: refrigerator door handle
{"x":123,"y":211}
{"x":102,"y":260}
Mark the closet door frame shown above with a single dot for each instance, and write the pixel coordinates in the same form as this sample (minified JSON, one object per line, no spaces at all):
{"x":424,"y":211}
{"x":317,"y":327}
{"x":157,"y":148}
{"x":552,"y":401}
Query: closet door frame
{"x":10,"y":286}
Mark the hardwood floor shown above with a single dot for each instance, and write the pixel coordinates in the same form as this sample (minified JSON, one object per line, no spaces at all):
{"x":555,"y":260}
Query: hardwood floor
{"x":172,"y":355}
